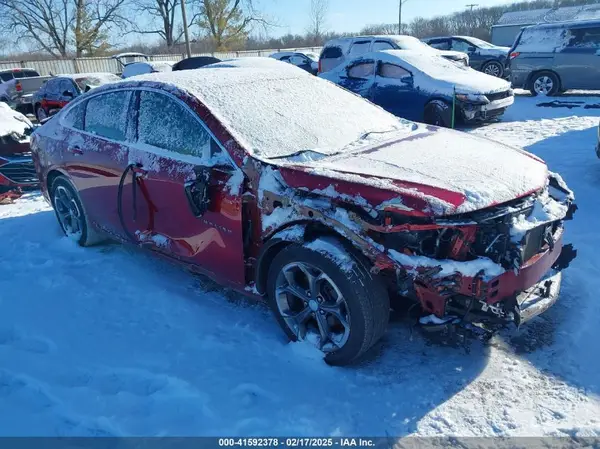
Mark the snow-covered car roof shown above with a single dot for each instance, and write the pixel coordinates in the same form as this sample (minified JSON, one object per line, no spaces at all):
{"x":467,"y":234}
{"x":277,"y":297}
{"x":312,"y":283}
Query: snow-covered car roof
{"x":257,"y":62}
{"x":463,"y":78}
{"x":12,"y":121}
{"x":283,"y":54}
{"x":138,"y":68}
{"x":275,"y":113}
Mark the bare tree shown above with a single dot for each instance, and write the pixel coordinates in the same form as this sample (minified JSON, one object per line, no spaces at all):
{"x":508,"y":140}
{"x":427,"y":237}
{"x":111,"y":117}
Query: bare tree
{"x":60,"y":26}
{"x":319,"y":9}
{"x":228,"y":22}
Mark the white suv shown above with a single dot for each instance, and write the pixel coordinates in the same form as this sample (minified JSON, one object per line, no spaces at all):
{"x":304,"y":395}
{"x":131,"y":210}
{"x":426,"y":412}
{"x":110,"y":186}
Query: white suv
{"x":337,"y":51}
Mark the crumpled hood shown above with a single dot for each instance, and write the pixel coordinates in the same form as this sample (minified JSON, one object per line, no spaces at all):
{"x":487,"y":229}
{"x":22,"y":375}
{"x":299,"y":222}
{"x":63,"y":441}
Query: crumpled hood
{"x":454,"y":172}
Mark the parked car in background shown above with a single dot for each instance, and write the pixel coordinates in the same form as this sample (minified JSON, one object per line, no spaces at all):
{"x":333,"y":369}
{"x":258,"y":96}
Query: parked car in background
{"x":16,"y":166}
{"x":195,"y":62}
{"x":57,"y":92}
{"x":141,"y":68}
{"x":323,"y":203}
{"x":483,"y":56}
{"x":17,"y":87}
{"x":306,"y":61}
{"x":551,"y":58}
{"x":424,"y":87}
{"x":338,"y":51}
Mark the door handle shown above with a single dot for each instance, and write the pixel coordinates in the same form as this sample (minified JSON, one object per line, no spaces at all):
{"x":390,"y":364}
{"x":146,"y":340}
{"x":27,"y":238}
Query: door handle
{"x":77,"y":151}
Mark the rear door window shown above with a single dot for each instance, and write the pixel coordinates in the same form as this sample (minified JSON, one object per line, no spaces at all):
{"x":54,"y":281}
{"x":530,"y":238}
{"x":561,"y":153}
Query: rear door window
{"x":362,"y":70}
{"x":106,"y":115}
{"x":165,"y":123}
{"x":360,"y":48}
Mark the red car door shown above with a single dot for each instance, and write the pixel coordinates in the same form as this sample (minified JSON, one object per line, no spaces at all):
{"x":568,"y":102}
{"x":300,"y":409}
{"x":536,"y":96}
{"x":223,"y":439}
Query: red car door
{"x":95,"y":155}
{"x":191,"y":188}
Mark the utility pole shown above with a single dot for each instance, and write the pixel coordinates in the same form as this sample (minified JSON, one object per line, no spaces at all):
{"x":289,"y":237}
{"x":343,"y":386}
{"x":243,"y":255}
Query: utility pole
{"x":188,"y":49}
{"x":400,"y":3}
{"x":472,"y":5}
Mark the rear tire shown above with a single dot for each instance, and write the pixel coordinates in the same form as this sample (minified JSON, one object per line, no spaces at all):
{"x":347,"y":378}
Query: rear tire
{"x":493,"y":68}
{"x":70,"y":213}
{"x":355,"y":306}
{"x":438,"y":113}
{"x":545,"y":83}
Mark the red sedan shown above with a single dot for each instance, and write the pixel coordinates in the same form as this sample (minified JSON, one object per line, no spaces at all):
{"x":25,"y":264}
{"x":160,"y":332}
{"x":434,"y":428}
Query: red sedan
{"x":282,"y":185}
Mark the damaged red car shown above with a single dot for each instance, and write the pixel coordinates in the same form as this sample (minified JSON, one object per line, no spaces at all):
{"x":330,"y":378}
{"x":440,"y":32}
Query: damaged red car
{"x":17,"y":172}
{"x":284,"y":186}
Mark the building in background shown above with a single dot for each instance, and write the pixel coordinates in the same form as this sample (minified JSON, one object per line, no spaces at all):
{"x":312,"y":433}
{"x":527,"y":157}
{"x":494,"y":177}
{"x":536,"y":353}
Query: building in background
{"x":509,"y":25}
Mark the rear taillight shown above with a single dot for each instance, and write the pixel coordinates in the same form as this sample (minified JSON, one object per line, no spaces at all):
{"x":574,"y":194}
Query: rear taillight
{"x":513,"y":55}
{"x":18,"y":87}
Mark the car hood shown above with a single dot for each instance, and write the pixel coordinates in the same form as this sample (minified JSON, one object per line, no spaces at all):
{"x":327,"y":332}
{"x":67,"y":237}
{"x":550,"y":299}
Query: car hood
{"x":453,"y":54}
{"x":470,"y":81}
{"x":450,"y":172}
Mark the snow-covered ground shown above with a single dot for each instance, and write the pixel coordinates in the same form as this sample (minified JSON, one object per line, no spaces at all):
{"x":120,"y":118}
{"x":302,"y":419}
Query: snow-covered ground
{"x":112,"y":341}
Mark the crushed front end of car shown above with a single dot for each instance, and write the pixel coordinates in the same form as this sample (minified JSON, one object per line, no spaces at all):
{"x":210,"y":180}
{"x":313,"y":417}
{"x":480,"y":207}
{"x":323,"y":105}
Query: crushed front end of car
{"x":486,"y":269}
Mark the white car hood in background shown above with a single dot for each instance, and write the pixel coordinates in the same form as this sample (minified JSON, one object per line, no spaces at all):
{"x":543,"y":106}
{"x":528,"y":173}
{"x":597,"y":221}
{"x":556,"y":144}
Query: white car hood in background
{"x":496,"y":51}
{"x":12,"y":121}
{"x":484,"y":171}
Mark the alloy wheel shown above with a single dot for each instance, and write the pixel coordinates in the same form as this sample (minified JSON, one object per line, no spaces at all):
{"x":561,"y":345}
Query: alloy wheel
{"x":493,"y":69}
{"x":69,"y":215}
{"x":543,"y":85}
{"x":312,"y":306}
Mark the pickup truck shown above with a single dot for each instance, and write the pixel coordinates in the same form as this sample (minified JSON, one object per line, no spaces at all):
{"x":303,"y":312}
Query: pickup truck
{"x":17,"y":87}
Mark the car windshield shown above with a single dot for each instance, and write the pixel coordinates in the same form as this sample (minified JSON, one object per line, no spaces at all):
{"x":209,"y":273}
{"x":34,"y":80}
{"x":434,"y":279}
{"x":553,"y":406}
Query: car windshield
{"x":289,"y":121}
{"x":96,"y":80}
{"x":479,"y":43}
{"x":312,"y":56}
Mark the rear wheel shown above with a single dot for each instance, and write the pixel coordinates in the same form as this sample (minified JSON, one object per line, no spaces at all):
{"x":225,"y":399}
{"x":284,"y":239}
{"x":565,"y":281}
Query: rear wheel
{"x":545,"y":83}
{"x":321,"y":294}
{"x":493,"y":68}
{"x":71,"y":214}
{"x":438,"y":113}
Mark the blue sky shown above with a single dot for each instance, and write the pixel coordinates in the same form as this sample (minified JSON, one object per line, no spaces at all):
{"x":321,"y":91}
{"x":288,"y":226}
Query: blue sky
{"x":352,"y":15}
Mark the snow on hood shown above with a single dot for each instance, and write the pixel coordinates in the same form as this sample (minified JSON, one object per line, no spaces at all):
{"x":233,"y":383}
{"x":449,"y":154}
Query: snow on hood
{"x":476,"y":171}
{"x":464,"y":79}
{"x":274,"y":112}
{"x":12,"y":121}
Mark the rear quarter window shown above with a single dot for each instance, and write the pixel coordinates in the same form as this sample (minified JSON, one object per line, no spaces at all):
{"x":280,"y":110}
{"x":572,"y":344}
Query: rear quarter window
{"x":542,"y":40}
{"x":332,"y":53}
{"x":360,"y":48}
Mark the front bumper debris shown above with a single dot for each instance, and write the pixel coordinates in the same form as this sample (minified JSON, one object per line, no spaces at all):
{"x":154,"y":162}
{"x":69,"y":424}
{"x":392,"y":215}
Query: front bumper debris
{"x":537,"y":299}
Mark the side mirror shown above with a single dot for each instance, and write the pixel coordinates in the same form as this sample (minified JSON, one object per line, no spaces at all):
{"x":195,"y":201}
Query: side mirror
{"x":68,"y":93}
{"x":196,"y":192}
{"x":472,"y":49}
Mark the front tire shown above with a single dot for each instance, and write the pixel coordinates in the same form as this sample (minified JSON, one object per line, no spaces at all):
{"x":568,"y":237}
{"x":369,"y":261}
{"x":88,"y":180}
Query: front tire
{"x":493,"y":68}
{"x":40,"y":113}
{"x":320,"y":293}
{"x":545,"y":83}
{"x":438,"y":113}
{"x":71,"y":214}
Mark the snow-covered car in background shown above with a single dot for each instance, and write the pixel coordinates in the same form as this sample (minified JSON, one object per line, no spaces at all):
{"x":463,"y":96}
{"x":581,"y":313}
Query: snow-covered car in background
{"x":338,"y":51}
{"x":483,"y":56}
{"x":551,"y":58}
{"x":142,"y":68}
{"x":305,"y":61}
{"x":424,"y":88}
{"x":325,"y":204}
{"x":57,"y":92}
{"x":16,"y":166}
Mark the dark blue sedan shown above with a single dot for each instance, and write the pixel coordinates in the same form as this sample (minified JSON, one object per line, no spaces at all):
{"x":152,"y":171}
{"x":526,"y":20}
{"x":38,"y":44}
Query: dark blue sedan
{"x":424,"y":88}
